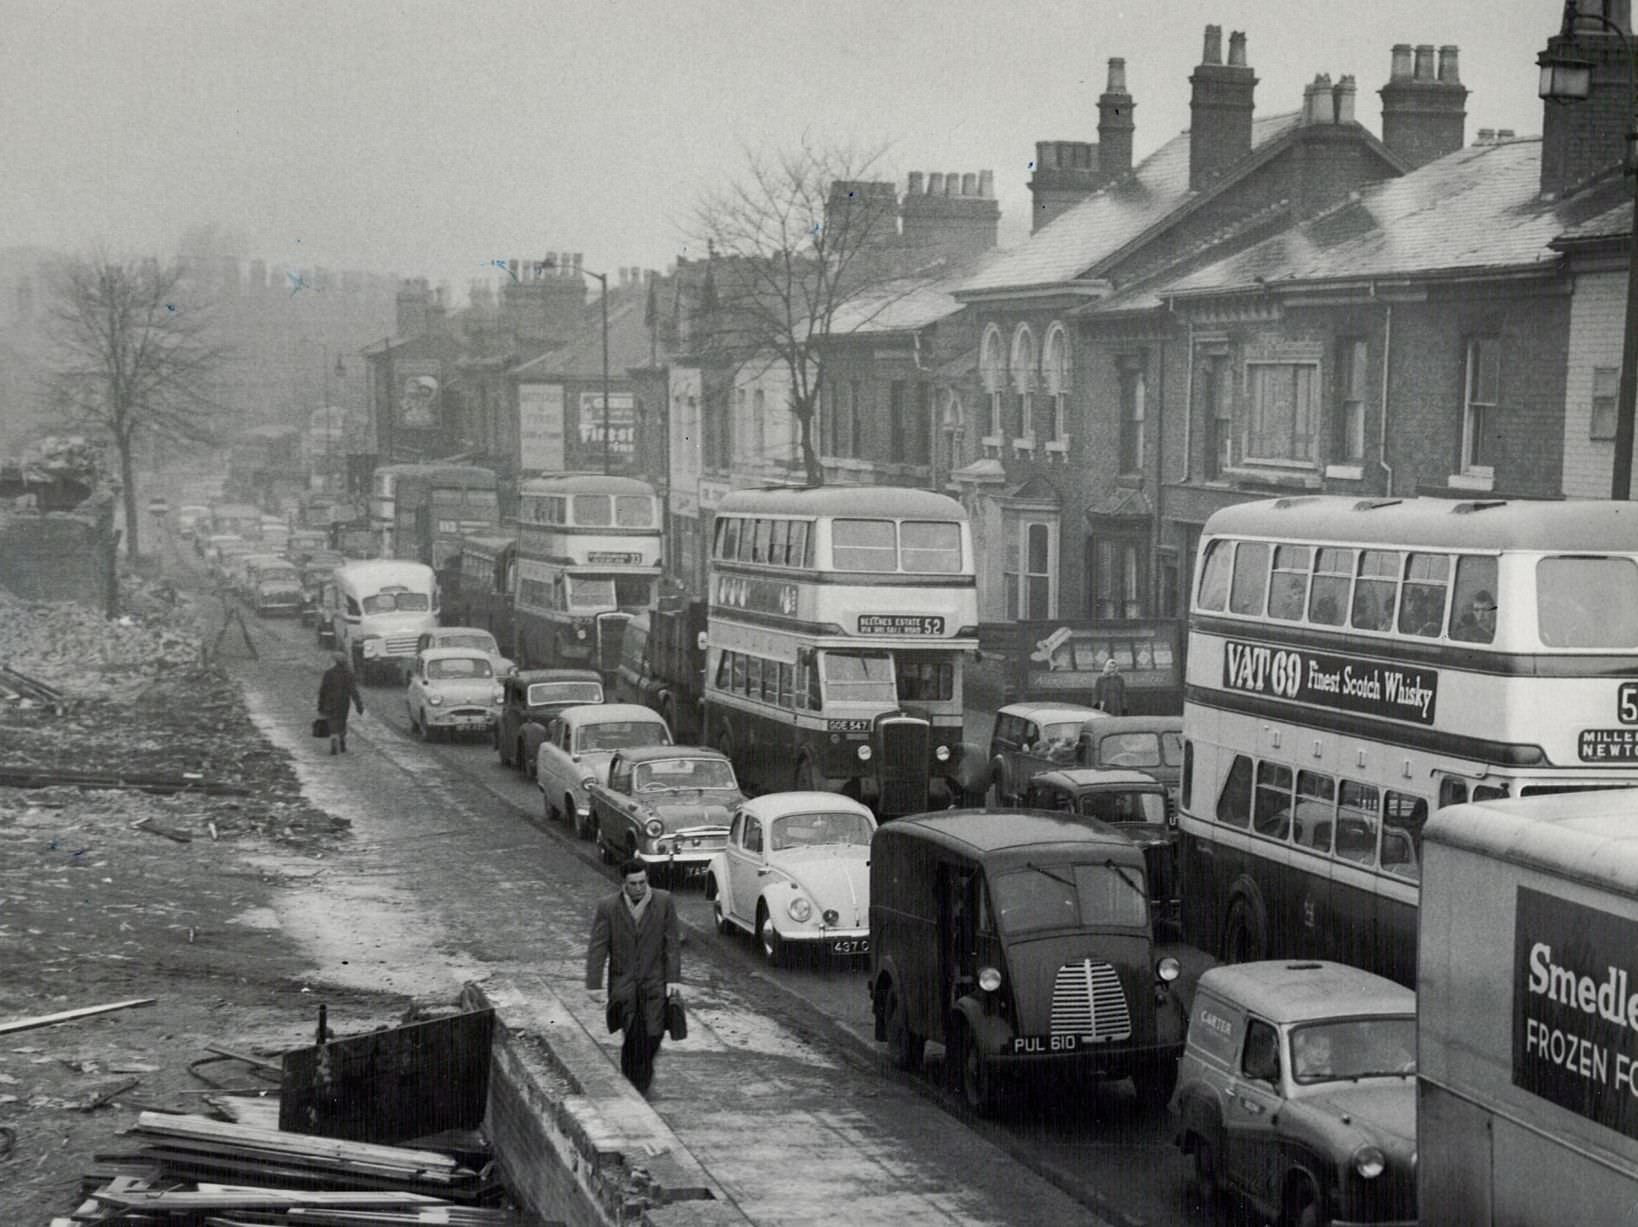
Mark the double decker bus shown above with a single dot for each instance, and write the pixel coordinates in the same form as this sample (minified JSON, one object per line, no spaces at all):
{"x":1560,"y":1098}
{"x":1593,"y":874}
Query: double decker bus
{"x":837,"y":622}
{"x":588,"y":558}
{"x":436,"y":506}
{"x":1354,"y":665}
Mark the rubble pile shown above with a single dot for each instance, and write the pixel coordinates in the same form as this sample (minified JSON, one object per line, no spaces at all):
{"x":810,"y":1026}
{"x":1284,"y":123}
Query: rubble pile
{"x":86,"y":656}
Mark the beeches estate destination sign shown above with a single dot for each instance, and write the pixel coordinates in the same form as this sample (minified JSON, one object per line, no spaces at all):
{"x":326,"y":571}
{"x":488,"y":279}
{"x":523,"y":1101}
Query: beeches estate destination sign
{"x":1575,"y":1009}
{"x":1355,"y":684}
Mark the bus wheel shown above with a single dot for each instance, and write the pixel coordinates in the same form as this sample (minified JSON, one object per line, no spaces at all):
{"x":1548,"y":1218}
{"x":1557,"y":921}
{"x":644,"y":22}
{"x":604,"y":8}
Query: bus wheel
{"x":773,"y":947}
{"x":904,"y":1046}
{"x":977,"y":1082}
{"x":1245,"y":932}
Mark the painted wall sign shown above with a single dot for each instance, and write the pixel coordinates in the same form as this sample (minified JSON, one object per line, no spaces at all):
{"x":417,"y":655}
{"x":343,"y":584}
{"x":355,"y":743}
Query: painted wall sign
{"x":540,"y":427}
{"x":622,"y":429}
{"x":1575,"y":1008}
{"x":1342,"y":683}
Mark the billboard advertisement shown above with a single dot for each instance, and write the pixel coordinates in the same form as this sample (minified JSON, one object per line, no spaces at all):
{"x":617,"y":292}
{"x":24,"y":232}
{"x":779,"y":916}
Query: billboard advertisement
{"x":622,"y":429}
{"x":418,"y":403}
{"x":540,"y":428}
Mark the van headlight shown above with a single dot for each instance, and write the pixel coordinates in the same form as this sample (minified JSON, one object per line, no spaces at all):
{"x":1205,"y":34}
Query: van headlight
{"x":942,"y":753}
{"x":436,"y":700}
{"x":1369,"y":1162}
{"x":864,"y":754}
{"x":1168,"y":969}
{"x":989,"y":979}
{"x":800,"y":910}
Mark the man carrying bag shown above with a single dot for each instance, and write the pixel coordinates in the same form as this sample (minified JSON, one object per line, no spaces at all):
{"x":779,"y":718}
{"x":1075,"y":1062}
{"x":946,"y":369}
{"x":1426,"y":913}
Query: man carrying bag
{"x":634,"y":934}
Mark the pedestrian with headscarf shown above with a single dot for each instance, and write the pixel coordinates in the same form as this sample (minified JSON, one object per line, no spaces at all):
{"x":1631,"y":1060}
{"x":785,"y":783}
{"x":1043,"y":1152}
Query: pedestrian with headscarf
{"x":338,"y":692}
{"x":635,"y":935}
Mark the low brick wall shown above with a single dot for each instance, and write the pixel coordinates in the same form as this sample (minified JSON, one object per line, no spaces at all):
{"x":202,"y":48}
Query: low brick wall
{"x":577,"y":1142}
{"x":54,"y":557}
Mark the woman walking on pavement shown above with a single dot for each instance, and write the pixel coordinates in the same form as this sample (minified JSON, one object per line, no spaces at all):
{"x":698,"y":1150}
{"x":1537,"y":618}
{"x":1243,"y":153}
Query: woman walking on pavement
{"x":635,"y":934}
{"x":337,"y":692}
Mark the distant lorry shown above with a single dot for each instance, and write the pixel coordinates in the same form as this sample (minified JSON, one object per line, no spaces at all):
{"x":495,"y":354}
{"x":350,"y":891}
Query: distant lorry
{"x":1527,"y":1011}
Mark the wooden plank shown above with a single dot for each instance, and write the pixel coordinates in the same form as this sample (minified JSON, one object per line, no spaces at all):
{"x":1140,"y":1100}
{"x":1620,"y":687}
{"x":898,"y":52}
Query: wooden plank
{"x":49,"y":1020}
{"x":235,"y":1197}
{"x":392,"y":1085}
{"x":191,"y":1165}
{"x":163,"y":1124}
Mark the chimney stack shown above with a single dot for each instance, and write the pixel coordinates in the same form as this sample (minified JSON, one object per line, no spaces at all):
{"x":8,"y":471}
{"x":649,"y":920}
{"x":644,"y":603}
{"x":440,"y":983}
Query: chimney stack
{"x":1424,"y":106}
{"x":1581,"y":141}
{"x":1115,"y":125}
{"x":1343,"y":100}
{"x":957,"y":215}
{"x":1221,"y":104}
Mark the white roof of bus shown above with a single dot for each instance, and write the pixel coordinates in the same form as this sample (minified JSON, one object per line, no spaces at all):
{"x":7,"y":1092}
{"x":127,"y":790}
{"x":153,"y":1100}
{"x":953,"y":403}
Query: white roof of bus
{"x":1591,"y":837}
{"x":1573,"y":524}
{"x":585,"y":483}
{"x":895,"y":501}
{"x":383,"y":570}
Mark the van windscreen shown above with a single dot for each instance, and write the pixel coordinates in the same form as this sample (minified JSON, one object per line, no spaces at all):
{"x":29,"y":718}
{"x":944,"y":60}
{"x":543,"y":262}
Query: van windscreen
{"x":1069,"y":896}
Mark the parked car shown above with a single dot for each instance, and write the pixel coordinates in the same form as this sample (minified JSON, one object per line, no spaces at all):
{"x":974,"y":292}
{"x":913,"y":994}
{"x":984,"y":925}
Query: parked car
{"x":665,"y":805}
{"x":795,"y":874}
{"x":1022,"y":942}
{"x":213,"y":547}
{"x":270,"y":584}
{"x":1153,"y":744}
{"x":1029,"y":738}
{"x":529,"y":700}
{"x":1133,"y":802}
{"x":473,"y":637}
{"x":1298,"y":1091}
{"x":190,"y":517}
{"x":575,"y":753}
{"x":453,"y":690}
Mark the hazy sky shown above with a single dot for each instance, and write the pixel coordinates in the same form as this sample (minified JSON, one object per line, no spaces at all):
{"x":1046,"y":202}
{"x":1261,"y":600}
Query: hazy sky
{"x":430,"y":138}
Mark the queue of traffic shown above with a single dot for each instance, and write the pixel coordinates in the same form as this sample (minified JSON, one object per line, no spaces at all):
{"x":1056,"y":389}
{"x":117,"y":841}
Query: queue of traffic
{"x":1365,"y":757}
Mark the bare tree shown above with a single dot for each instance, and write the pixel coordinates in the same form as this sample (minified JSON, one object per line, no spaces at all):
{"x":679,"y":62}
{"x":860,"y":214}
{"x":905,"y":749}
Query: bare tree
{"x":804,"y":247}
{"x":133,"y":358}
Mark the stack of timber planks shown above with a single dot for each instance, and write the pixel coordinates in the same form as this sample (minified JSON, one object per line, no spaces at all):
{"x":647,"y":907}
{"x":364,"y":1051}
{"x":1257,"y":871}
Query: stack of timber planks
{"x":196,"y":1170}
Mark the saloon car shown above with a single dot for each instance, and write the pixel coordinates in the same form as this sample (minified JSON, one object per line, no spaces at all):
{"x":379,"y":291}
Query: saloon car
{"x":473,"y":637}
{"x":795,"y":874}
{"x":665,"y":805}
{"x":1152,"y":744}
{"x":1029,"y":738}
{"x":529,"y":700}
{"x":1297,"y":1090}
{"x":575,"y":754}
{"x":452,"y":690}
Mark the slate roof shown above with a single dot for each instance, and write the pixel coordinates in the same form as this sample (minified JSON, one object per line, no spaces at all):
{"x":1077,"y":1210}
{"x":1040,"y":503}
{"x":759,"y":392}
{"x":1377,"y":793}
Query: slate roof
{"x":912,"y":302}
{"x":581,"y":357}
{"x":1112,"y":217}
{"x":1476,"y":210}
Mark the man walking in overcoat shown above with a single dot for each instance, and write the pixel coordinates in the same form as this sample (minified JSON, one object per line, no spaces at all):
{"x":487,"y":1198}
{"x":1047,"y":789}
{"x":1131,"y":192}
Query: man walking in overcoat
{"x":337,"y":693}
{"x":635,"y":934}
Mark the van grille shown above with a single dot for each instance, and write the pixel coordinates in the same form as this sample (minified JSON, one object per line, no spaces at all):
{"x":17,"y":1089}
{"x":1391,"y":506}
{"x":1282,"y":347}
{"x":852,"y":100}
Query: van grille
{"x":1087,"y":1000}
{"x":401,"y":645}
{"x":903,"y":771}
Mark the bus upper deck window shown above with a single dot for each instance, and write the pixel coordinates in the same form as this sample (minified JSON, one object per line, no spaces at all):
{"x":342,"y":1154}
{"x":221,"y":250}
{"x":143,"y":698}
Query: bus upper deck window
{"x":1249,"y":590}
{"x":1427,"y":580}
{"x":1214,"y":575}
{"x":592,"y":510}
{"x":1474,"y":608}
{"x":634,"y":511}
{"x":728,"y":540}
{"x":930,"y":547}
{"x":864,"y":545}
{"x":1377,"y":590}
{"x":800,"y":553}
{"x":1288,"y":588}
{"x":1328,"y":595}
{"x":1587,"y":602}
{"x":779,"y":543}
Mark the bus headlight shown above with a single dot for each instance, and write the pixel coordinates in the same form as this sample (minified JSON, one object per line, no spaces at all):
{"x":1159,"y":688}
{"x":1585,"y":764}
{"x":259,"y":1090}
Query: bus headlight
{"x":942,"y":753}
{"x":989,"y":979}
{"x":1168,"y":969}
{"x":800,"y":910}
{"x":654,"y":828}
{"x":580,"y":630}
{"x":864,"y":754}
{"x":1369,"y":1162}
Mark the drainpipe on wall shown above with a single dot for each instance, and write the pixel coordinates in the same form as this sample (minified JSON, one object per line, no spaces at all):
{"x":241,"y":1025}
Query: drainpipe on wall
{"x":1160,"y":474}
{"x":1382,"y":415}
{"x":1188,"y":398}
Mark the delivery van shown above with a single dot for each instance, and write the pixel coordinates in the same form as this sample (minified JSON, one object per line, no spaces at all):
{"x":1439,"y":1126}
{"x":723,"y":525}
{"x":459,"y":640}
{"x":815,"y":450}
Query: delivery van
{"x":1527,"y":1012}
{"x":378,"y":610}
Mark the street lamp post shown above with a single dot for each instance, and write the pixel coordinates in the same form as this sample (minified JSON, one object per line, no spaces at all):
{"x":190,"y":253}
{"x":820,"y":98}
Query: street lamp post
{"x":602,"y":280}
{"x":329,"y":418}
{"x":1567,"y":79}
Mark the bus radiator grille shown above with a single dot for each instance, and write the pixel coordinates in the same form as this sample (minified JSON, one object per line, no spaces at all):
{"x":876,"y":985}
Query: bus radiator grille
{"x":1087,"y":1000}
{"x":903,"y":771}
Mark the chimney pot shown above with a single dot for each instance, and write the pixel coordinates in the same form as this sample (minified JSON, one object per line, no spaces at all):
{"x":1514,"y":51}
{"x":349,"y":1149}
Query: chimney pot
{"x":1237,"y":49}
{"x":1505,"y":134}
{"x":1449,"y":73}
{"x":1343,"y":99}
{"x":986,"y":184}
{"x":952,"y":182}
{"x":1117,"y":76}
{"x":969,"y":184}
{"x":915,"y":187}
{"x":1213,"y":51}
{"x":1401,"y":61}
{"x":1487,"y":136}
{"x":935,"y":179}
{"x":1424,"y":61}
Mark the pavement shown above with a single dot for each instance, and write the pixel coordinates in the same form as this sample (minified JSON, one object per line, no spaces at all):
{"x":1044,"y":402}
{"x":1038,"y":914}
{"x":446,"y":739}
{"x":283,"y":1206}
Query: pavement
{"x":443,"y":884}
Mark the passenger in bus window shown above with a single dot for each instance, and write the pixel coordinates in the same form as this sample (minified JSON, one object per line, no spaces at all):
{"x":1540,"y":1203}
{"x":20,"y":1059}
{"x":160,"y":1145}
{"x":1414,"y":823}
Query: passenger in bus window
{"x":1478,"y":622}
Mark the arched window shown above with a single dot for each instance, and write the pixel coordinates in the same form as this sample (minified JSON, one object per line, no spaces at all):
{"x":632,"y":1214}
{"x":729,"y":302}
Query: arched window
{"x":992,"y":369}
{"x":1057,"y":371}
{"x":1023,"y":381}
